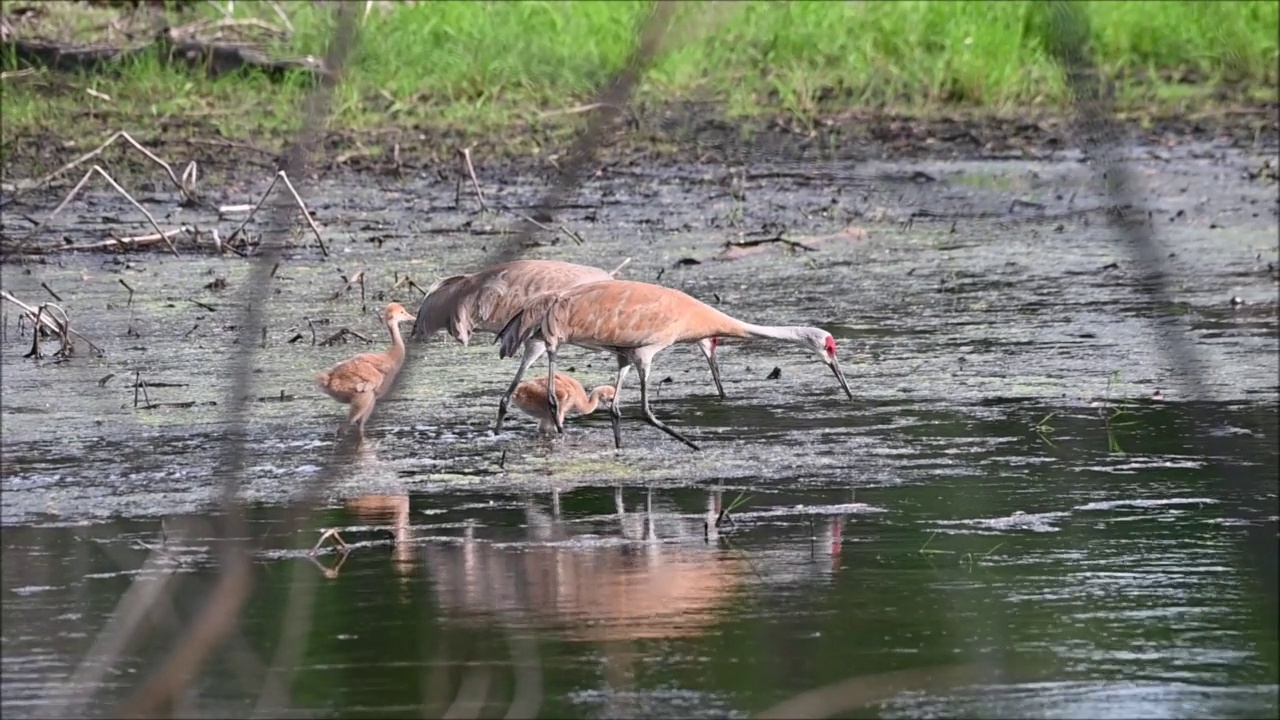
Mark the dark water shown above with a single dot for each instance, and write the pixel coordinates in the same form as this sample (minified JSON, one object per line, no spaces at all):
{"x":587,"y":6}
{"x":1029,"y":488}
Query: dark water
{"x":1003,"y":523}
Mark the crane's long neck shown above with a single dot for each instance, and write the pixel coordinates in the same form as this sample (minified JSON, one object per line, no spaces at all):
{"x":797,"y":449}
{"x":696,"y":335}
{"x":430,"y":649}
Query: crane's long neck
{"x":593,"y":400}
{"x":791,"y":333}
{"x":396,"y":353}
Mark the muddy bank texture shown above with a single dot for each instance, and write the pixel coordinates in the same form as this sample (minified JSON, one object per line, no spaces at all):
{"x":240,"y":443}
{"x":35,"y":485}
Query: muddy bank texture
{"x":963,"y":289}
{"x":675,"y":134}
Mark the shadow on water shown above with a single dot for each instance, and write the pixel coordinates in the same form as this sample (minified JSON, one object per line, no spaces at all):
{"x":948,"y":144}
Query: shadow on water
{"x":1005,"y":486}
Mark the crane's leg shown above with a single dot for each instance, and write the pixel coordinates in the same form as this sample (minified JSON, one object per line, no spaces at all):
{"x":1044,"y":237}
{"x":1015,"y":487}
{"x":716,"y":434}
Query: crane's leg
{"x":552,"y":401}
{"x":361,"y":409}
{"x":708,"y":348}
{"x":643,"y":369}
{"x":532,"y":351}
{"x":615,"y":408}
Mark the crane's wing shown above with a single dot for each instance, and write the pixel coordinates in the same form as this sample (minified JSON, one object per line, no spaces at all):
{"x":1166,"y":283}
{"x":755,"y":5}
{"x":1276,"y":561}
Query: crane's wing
{"x":525,"y":324}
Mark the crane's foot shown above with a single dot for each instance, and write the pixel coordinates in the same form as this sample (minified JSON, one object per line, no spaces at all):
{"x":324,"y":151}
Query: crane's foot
{"x":649,"y":418}
{"x":616,"y":419}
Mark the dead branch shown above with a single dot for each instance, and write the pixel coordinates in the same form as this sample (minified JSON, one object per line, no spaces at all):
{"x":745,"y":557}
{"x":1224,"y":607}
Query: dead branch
{"x":558,"y":228}
{"x":465,"y":154}
{"x":37,"y":316}
{"x":341,"y":335}
{"x":354,"y":280}
{"x":188,"y":191}
{"x":614,"y":272}
{"x":124,"y":243}
{"x":75,"y":190}
{"x":766,"y":241}
{"x":301,"y":205}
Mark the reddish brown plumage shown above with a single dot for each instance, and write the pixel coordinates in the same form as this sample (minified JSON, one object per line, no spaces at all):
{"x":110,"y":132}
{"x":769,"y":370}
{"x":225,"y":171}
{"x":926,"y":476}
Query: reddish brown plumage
{"x":531,"y":397}
{"x":486,"y":301}
{"x":360,"y":380}
{"x":636,"y":321}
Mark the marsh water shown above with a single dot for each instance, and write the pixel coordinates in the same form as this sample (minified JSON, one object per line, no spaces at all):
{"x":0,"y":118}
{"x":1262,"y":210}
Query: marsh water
{"x":1025,"y":482}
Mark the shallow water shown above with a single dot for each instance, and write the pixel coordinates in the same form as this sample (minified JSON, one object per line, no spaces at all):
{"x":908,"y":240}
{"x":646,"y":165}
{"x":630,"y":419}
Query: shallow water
{"x":984,"y":499}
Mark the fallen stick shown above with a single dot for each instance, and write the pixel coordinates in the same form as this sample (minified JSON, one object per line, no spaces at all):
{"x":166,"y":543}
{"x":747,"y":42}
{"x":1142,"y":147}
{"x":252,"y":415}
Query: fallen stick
{"x":126,"y":242}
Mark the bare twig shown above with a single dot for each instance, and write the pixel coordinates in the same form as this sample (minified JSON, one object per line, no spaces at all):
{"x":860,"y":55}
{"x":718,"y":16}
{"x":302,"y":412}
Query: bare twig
{"x":279,"y":176}
{"x":49,"y":323}
{"x":188,"y":192}
{"x":75,"y":190}
{"x":122,"y":243}
{"x":342,"y":334}
{"x":465,"y":154}
{"x":614,"y":272}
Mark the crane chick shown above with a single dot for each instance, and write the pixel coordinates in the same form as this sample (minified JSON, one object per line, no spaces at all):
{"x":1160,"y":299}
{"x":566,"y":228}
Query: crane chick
{"x":359,"y":381}
{"x":531,"y":398}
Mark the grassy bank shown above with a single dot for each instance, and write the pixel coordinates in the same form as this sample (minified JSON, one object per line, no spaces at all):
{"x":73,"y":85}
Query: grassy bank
{"x":481,"y":66}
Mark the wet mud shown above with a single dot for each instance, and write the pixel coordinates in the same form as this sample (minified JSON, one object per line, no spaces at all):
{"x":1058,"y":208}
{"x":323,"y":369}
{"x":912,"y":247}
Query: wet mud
{"x":1009,"y":482}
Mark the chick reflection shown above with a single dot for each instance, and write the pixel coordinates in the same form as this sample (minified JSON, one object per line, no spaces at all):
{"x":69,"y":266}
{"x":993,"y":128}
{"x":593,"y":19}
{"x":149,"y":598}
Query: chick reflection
{"x":636,"y":584}
{"x":379,"y":511}
{"x":391,"y":511}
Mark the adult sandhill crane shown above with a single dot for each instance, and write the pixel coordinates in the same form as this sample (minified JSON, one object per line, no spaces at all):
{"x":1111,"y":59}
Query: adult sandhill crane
{"x":360,"y":380}
{"x":636,"y":321}
{"x":487,"y":299}
{"x":531,"y":398}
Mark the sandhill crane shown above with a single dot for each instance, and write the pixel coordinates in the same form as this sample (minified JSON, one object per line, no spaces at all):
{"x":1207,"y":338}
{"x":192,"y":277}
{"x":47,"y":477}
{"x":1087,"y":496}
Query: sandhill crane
{"x":636,"y":321}
{"x":485,"y":300}
{"x":531,"y":398}
{"x":359,"y":381}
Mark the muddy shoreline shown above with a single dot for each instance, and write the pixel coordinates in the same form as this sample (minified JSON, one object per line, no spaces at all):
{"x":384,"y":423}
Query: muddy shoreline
{"x":652,"y":137}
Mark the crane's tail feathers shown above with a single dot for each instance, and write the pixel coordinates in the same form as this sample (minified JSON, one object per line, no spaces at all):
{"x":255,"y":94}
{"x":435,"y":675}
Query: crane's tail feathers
{"x":526,"y":324}
{"x":509,"y":337}
{"x":614,"y":272}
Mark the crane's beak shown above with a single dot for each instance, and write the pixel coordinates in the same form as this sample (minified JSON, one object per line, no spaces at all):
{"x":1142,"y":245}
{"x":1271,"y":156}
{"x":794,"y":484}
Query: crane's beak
{"x":844,"y":384}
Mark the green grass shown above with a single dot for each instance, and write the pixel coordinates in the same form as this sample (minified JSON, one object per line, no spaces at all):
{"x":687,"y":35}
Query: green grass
{"x":480,"y":66}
